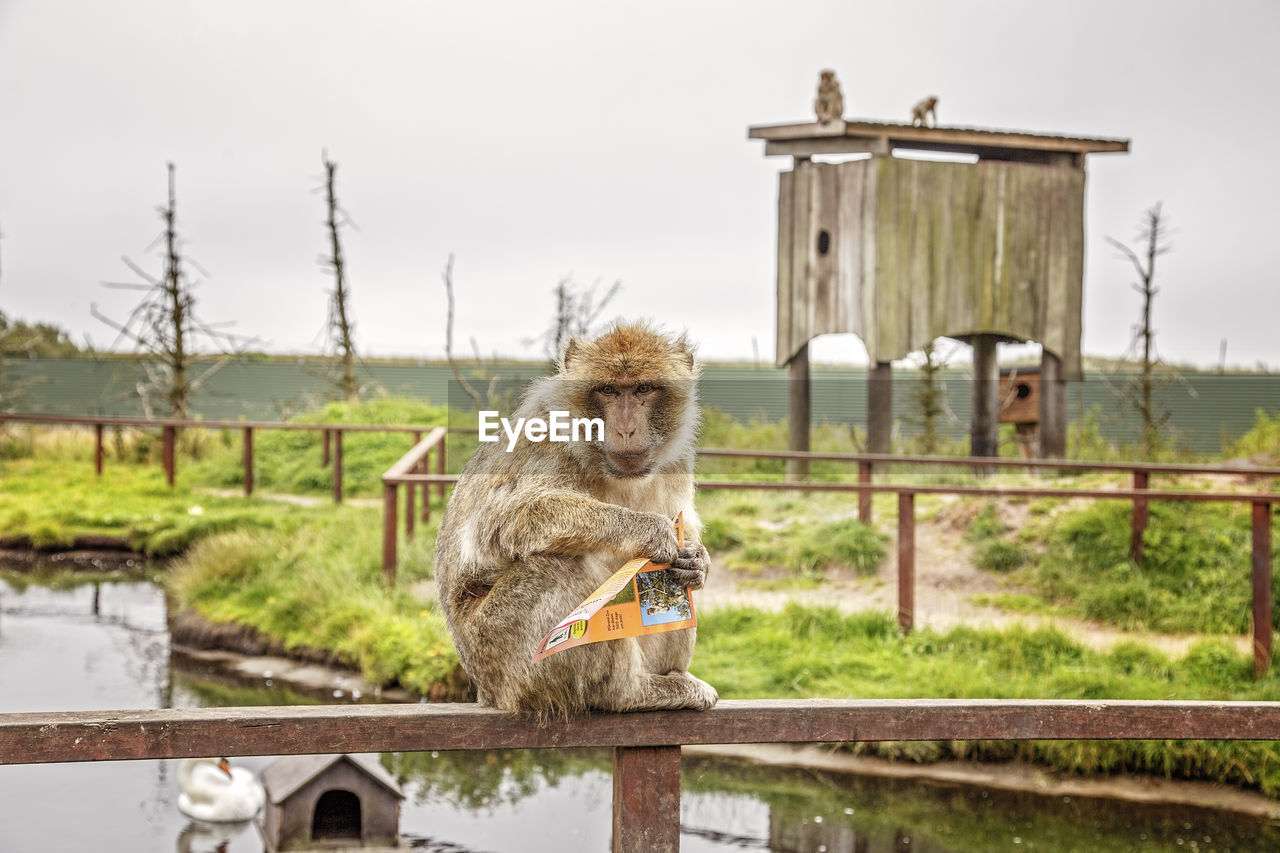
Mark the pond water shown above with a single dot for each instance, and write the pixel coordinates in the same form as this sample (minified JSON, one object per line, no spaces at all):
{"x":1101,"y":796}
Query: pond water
{"x":104,"y":646}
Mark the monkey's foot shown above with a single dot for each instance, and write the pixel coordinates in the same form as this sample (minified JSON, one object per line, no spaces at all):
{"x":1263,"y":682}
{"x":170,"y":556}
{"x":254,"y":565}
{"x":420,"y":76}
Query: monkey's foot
{"x":702,"y":695}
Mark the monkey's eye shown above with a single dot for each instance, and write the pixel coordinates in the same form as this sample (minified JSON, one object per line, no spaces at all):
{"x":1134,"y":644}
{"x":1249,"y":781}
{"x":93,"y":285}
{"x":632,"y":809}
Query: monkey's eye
{"x":608,"y":390}
{"x":645,"y":388}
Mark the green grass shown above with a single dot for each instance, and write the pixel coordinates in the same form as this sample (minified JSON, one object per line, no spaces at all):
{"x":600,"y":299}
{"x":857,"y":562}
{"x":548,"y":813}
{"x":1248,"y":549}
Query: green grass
{"x":56,"y":502}
{"x":806,"y":652}
{"x":1015,"y":602}
{"x":1195,"y":575}
{"x":1261,"y":441}
{"x":805,"y":549}
{"x":290,"y":460}
{"x":318,"y":583}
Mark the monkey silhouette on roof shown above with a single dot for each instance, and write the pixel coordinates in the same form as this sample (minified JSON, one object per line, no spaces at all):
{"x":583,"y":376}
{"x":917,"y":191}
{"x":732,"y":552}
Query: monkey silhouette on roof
{"x":829,"y":105}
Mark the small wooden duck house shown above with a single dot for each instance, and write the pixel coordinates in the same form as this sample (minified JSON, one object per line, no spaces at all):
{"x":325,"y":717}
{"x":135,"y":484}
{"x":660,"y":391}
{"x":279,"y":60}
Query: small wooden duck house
{"x":326,"y":800}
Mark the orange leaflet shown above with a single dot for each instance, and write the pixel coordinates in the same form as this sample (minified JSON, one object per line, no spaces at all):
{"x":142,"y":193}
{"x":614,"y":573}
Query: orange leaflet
{"x":638,"y":599}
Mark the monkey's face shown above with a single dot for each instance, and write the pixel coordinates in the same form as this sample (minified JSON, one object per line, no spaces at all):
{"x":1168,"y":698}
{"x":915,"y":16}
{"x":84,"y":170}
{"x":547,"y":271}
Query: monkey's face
{"x":640,"y":383}
{"x":634,"y":416}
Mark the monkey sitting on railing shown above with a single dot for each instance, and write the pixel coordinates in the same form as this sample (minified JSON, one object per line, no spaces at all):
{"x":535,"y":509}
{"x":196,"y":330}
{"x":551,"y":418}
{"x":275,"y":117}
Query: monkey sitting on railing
{"x":535,"y":526}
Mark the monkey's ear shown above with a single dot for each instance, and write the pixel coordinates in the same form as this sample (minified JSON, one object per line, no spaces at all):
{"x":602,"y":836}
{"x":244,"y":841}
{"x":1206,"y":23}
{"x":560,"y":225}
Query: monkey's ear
{"x":684,"y":350}
{"x":571,"y":351}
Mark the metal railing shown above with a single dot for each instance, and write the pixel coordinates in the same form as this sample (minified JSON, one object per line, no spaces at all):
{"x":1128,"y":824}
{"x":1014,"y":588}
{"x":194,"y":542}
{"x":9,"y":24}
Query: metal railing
{"x":330,"y":446}
{"x":646,"y":762}
{"x":410,"y":472}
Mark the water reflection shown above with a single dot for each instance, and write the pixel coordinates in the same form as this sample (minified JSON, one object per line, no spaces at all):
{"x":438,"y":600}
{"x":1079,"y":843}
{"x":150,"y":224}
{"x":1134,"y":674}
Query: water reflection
{"x":200,"y":837}
{"x":104,"y":645}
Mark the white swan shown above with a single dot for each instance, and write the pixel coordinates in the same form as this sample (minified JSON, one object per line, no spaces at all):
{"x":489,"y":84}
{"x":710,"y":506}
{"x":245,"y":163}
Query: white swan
{"x":212,"y":790}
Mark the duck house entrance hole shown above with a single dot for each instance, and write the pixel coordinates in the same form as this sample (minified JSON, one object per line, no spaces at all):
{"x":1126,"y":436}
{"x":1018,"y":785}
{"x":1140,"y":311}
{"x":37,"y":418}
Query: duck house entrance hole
{"x":337,"y":815}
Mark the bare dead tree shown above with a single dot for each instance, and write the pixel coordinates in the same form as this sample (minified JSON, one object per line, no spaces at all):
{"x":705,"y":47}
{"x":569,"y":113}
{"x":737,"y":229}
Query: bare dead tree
{"x":928,"y":399}
{"x":164,"y":323}
{"x":447,"y":275}
{"x":578,"y":311}
{"x":1153,"y":241}
{"x":340,"y":327}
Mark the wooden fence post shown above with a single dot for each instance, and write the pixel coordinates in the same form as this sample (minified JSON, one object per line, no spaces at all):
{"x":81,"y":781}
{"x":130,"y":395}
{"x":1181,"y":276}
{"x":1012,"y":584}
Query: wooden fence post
{"x":440,"y":465}
{"x":1141,"y":513}
{"x":646,"y":799}
{"x":906,"y":561}
{"x":1261,"y":588}
{"x":864,"y":496}
{"x":389,"y":521}
{"x":97,"y":449}
{"x":410,"y":511}
{"x":170,"y":454}
{"x":248,"y":461}
{"x":324,"y":448}
{"x":337,"y":466}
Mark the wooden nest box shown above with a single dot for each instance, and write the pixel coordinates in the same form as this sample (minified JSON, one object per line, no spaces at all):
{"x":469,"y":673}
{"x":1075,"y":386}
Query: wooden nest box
{"x":1020,"y":396}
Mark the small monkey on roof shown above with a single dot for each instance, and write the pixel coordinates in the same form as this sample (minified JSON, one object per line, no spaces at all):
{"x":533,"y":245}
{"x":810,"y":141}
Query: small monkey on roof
{"x":926,"y":107}
{"x":829,"y":104}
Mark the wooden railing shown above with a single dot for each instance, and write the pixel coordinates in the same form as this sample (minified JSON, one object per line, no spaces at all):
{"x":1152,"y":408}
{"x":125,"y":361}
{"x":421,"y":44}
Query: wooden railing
{"x":406,"y":472}
{"x":409,"y":472}
{"x":330,"y":447}
{"x":646,"y":764}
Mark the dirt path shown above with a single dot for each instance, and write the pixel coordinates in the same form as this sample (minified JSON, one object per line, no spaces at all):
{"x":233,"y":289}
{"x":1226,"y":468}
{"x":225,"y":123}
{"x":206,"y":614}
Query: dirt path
{"x":947,"y":582}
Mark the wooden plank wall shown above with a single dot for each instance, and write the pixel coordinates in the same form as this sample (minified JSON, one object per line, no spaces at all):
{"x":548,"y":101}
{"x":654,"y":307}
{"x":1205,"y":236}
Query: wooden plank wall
{"x":924,"y":249}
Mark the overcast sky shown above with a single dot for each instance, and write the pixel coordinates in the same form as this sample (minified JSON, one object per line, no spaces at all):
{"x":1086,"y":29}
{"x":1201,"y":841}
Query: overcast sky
{"x":603,"y":141}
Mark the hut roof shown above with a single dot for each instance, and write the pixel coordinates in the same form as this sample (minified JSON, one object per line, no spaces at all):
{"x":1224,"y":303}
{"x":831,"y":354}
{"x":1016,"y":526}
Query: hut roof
{"x":285,"y":776}
{"x":859,"y":135}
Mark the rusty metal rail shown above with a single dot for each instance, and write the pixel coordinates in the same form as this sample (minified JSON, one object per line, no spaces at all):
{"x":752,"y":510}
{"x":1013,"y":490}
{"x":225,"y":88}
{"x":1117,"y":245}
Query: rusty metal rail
{"x":646,"y":777}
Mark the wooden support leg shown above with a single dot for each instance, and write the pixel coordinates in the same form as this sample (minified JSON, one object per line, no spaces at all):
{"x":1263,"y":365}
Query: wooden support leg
{"x":170,"y":454}
{"x":410,"y":509}
{"x":906,"y":561}
{"x":248,"y":461}
{"x":337,"y":466}
{"x":646,"y":799}
{"x":389,"y":512}
{"x":1053,"y":408}
{"x":440,"y":468}
{"x":864,"y":497}
{"x":1141,"y":514}
{"x":1261,"y":588}
{"x":984,"y":427}
{"x":880,"y":408}
{"x":798,"y":414}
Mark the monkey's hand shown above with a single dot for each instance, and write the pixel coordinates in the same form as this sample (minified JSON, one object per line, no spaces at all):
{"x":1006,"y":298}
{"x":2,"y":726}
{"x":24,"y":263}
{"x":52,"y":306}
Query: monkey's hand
{"x":690,"y":567}
{"x":656,"y":538}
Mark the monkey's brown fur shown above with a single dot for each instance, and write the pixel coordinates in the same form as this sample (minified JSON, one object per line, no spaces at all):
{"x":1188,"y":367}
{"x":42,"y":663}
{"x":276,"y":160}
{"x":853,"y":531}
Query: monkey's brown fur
{"x":531,"y":533}
{"x":924,"y":109}
{"x":829,"y":104}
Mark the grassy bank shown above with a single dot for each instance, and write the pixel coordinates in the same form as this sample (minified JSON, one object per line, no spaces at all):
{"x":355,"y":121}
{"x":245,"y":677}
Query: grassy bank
{"x":805,"y":652}
{"x":1195,"y":576}
{"x":318,"y":584}
{"x":57,"y":503}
